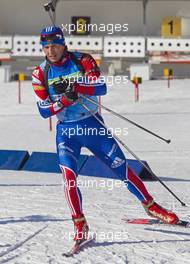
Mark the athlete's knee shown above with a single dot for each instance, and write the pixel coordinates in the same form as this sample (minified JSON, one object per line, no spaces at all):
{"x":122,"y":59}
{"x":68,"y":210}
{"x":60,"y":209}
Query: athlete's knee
{"x":131,"y":175}
{"x":67,"y":159}
{"x":65,"y":152}
{"x":126,"y":174}
{"x":69,"y":177}
{"x":119,"y":167}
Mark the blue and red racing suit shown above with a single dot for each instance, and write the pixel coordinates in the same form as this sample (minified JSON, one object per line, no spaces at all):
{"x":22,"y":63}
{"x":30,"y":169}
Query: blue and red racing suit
{"x":77,"y":128}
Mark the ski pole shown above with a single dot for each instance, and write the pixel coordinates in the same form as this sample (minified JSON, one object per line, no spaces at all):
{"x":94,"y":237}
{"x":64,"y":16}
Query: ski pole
{"x":132,"y":153}
{"x":50,"y":8}
{"x":126,"y":119}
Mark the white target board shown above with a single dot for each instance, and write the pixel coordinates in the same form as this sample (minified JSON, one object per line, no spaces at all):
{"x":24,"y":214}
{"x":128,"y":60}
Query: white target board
{"x":27,"y":46}
{"x":162,"y":44}
{"x":6,"y":42}
{"x":120,"y":46}
{"x":84,"y":43}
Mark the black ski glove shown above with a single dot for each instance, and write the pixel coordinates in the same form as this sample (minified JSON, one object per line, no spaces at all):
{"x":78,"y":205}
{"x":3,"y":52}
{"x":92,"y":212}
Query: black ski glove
{"x":66,"y":87}
{"x":61,"y":85}
{"x":70,"y":93}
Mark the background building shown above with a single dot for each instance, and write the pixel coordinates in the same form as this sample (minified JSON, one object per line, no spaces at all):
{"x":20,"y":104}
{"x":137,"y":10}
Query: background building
{"x":144,"y":18}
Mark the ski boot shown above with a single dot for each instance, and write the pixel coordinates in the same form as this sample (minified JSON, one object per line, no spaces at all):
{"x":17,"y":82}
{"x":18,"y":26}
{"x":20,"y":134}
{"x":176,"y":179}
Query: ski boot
{"x":81,"y":228}
{"x":155,"y":210}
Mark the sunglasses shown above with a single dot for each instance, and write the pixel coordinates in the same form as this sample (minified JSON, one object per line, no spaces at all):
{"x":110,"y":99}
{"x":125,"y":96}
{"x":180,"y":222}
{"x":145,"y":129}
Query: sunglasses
{"x":49,"y":38}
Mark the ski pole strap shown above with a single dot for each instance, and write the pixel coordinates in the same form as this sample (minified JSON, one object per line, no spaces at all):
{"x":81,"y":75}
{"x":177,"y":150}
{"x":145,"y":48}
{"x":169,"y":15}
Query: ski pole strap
{"x":46,"y":69}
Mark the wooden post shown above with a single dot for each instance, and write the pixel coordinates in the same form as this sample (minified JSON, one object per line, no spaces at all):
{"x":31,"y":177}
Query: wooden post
{"x":99,"y":107}
{"x":136,"y":81}
{"x":136,"y":92}
{"x":168,"y":81}
{"x":21,"y":78}
{"x":19,"y":92}
{"x":50,"y":123}
{"x":168,"y":73}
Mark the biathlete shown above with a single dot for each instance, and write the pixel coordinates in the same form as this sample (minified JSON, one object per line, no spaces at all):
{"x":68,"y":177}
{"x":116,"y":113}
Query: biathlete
{"x":58,"y":83}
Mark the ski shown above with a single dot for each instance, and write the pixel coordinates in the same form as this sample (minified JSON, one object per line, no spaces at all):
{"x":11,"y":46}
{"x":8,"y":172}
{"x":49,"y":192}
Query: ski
{"x":151,"y":221}
{"x":79,"y":246}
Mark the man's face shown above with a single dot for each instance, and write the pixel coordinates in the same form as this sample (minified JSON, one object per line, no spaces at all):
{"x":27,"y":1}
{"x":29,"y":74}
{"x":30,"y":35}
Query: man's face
{"x":53,"y":52}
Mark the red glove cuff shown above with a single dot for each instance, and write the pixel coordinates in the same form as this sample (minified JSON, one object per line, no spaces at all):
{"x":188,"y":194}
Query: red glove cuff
{"x":84,"y":89}
{"x":65,"y":102}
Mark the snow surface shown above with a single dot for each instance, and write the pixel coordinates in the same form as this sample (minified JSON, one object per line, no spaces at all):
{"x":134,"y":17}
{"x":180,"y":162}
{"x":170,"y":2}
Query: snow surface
{"x":35,"y":223}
